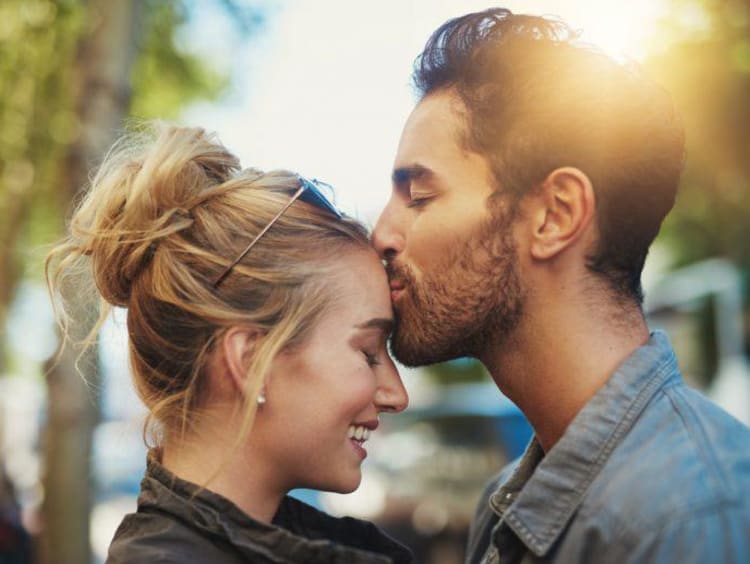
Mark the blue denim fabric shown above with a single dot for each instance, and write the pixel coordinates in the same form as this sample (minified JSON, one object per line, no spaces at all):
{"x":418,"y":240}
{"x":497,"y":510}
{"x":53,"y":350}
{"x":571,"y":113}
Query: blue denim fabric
{"x":648,"y":471}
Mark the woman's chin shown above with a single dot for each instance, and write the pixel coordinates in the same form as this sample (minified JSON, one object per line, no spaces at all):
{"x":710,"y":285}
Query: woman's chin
{"x":346,"y":486}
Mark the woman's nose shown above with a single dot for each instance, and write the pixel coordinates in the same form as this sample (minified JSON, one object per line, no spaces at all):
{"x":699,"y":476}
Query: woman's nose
{"x":391,"y":395}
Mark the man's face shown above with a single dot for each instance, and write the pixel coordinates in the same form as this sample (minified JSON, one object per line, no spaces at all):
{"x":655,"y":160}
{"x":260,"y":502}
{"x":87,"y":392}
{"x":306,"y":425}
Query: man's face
{"x":449,"y":247}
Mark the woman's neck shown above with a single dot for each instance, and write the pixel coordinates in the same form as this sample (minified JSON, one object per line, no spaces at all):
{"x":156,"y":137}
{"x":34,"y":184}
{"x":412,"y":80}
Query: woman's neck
{"x":212,"y":464}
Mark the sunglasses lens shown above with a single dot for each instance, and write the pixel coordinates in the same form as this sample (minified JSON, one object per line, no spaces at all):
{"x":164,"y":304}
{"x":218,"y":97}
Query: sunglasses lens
{"x":313,"y":195}
{"x":309,"y":192}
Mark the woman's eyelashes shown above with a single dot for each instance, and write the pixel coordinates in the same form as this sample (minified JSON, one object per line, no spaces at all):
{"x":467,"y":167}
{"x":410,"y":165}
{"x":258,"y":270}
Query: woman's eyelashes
{"x":371,"y":358}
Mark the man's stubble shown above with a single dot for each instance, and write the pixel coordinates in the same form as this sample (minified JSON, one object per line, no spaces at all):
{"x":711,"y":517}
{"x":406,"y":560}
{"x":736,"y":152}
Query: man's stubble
{"x":465,"y":303}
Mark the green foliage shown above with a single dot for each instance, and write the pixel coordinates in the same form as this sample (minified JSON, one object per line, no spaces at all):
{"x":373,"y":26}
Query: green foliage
{"x":708,"y":75}
{"x":165,"y":78}
{"x":462,"y":370}
{"x":707,"y":71}
{"x":38,"y":41}
{"x":37,"y":47}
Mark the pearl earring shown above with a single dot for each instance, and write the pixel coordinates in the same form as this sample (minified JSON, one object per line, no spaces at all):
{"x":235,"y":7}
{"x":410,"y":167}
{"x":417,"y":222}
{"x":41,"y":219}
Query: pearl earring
{"x":261,"y":399}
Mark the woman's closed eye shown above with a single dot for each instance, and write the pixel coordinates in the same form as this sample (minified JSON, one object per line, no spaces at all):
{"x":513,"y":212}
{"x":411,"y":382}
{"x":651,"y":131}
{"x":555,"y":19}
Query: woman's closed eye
{"x":372,"y":358}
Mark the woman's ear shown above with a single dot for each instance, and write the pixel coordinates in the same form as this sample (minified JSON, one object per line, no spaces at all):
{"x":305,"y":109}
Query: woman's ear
{"x":237,"y":347}
{"x":565,"y":209}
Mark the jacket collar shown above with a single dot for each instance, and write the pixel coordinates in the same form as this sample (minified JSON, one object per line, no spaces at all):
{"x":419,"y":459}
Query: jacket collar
{"x":550,"y":488}
{"x":299,"y":532}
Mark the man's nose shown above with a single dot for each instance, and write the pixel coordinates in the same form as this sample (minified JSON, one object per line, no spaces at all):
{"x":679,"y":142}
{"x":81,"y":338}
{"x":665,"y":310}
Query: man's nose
{"x":388,"y":237}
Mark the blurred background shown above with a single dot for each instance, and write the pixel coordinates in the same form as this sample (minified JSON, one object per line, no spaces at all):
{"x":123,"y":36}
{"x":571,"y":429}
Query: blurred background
{"x":321,"y":87}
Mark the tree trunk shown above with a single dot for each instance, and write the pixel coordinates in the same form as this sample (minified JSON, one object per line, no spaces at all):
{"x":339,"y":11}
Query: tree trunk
{"x":103,"y":64}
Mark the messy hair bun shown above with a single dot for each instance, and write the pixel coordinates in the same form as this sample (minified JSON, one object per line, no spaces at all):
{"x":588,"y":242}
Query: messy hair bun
{"x":166,"y":213}
{"x":145,"y":191}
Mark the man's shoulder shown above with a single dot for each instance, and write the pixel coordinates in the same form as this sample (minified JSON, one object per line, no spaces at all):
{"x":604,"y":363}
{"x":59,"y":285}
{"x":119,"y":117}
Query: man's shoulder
{"x":681,"y":473}
{"x":683,"y":455}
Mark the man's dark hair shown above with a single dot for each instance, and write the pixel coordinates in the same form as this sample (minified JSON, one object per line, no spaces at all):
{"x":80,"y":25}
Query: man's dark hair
{"x":537,"y":100}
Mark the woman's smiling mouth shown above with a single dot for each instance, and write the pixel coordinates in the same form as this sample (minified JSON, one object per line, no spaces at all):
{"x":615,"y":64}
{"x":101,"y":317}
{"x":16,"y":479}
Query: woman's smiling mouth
{"x":358,"y":433}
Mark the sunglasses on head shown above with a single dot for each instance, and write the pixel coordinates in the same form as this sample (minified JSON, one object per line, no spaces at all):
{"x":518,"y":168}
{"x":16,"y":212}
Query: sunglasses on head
{"x":309,"y":191}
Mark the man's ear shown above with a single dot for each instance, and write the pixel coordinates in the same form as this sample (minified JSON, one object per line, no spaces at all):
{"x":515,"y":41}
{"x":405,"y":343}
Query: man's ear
{"x":237,"y":347}
{"x":565,"y":210}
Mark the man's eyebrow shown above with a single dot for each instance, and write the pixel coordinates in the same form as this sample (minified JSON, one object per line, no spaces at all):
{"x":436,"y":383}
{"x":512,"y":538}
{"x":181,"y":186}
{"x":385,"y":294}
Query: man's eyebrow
{"x":384,"y":324}
{"x":404,"y":174}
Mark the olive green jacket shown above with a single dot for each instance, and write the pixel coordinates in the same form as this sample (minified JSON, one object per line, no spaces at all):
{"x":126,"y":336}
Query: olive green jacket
{"x":176,"y":521}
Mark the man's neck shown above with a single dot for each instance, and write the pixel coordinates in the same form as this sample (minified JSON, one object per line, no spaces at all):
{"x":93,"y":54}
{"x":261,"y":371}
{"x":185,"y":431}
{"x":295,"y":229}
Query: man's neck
{"x":559,"y":357}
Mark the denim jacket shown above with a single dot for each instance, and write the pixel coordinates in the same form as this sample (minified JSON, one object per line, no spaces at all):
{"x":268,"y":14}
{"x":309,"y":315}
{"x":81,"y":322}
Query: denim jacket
{"x":648,"y":471}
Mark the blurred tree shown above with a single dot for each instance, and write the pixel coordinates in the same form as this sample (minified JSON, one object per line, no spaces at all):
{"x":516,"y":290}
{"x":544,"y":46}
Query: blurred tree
{"x":706,"y":68}
{"x":37,"y":41}
{"x":100,"y":99}
{"x":38,"y":118}
{"x":70,"y":72}
{"x":460,"y":370}
{"x":165,"y":78}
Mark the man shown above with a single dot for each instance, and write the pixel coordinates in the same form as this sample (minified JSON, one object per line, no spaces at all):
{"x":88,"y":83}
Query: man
{"x":529,"y":182}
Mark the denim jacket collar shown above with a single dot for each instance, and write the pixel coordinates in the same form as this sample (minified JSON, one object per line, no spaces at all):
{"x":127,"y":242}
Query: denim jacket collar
{"x":550,"y":488}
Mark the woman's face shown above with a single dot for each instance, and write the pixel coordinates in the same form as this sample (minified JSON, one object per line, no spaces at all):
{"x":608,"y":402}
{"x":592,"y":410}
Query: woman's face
{"x":333,"y":386}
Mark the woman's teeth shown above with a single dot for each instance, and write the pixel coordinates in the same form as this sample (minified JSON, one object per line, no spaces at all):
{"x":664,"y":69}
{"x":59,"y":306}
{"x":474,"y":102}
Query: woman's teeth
{"x":358,"y":433}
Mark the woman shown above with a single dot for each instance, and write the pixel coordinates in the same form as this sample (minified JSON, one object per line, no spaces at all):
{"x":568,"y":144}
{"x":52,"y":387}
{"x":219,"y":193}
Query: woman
{"x":257,"y":321}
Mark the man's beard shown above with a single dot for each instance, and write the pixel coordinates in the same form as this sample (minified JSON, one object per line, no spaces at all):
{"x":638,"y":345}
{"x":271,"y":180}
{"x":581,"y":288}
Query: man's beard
{"x":463,"y":305}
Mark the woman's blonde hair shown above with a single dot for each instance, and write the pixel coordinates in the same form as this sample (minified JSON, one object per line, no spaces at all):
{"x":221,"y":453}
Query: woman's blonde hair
{"x":167,"y":212}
